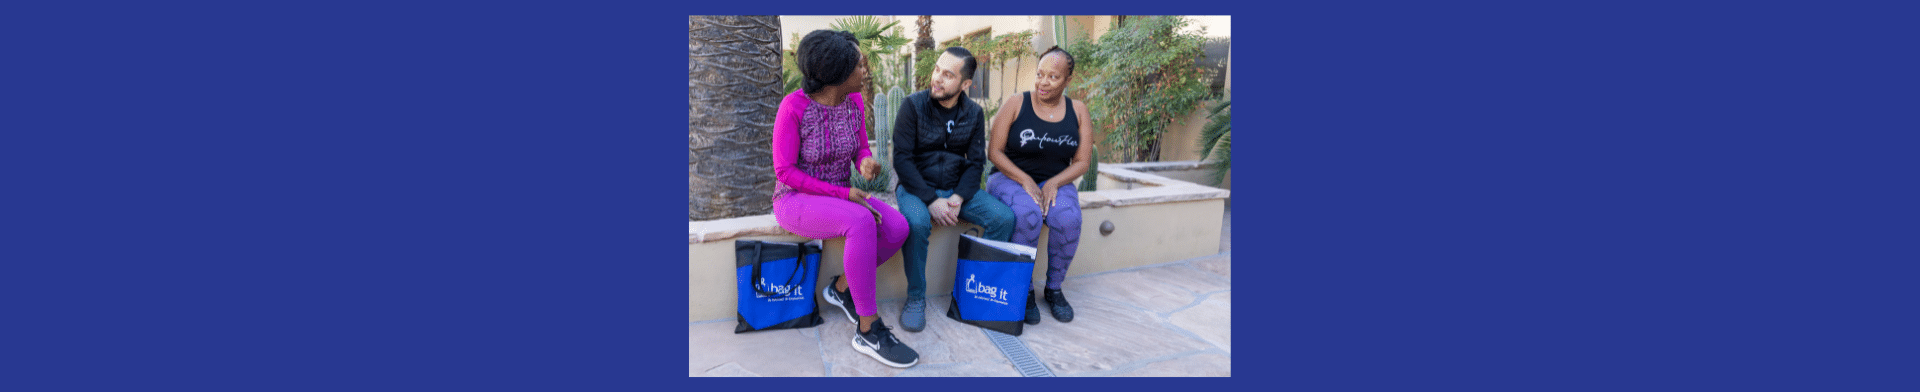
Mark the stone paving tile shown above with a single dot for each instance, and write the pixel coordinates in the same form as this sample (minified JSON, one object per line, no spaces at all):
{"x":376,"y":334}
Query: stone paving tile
{"x":1160,"y":289}
{"x":729,"y":369}
{"x":949,"y":341}
{"x":1196,"y":365}
{"x":848,"y":371}
{"x":976,"y":369}
{"x":714,"y":350}
{"x":836,"y":337}
{"x":1211,"y":320}
{"x":949,"y":346}
{"x":1104,"y":335}
{"x":1220,"y":264}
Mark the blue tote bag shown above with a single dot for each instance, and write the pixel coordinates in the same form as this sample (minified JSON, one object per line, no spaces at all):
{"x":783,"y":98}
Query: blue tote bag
{"x":991,"y":282}
{"x":776,"y":281}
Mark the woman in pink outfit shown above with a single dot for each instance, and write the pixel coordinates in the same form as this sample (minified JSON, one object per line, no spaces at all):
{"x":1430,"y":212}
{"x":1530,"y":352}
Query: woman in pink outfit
{"x":818,"y":135}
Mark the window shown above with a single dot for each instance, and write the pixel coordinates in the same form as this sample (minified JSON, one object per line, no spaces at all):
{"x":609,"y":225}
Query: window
{"x":980,"y":68}
{"x":1215,"y":60}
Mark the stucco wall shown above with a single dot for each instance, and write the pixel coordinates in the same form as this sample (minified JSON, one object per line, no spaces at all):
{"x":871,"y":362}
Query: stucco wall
{"x":803,"y":24}
{"x":1181,"y":142}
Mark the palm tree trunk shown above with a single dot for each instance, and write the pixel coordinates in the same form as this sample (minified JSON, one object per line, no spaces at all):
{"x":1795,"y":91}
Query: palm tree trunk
{"x":926,"y":34}
{"x":733,"y":83}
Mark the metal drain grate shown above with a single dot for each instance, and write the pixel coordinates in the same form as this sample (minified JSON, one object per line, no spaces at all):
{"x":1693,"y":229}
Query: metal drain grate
{"x":1016,"y":351}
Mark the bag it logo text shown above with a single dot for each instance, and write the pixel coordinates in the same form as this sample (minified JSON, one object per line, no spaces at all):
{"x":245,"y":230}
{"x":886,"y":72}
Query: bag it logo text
{"x":975,"y":287}
{"x":778,"y":290}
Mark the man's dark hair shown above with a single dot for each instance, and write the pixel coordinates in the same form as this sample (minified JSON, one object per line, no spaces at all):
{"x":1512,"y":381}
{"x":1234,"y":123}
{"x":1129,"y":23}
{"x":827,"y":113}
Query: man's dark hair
{"x":1063,"y":52}
{"x":826,"y":58}
{"x":966,"y":61}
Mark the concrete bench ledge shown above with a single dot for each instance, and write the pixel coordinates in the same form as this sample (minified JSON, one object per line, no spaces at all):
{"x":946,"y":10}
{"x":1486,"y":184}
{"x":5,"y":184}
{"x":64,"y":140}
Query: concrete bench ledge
{"x":1121,"y":186}
{"x":726,"y":229}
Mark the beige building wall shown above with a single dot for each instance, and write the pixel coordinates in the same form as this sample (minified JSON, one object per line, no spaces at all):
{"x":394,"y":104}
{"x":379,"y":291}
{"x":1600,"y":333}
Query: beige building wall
{"x":1217,"y":25}
{"x":1182,"y":140}
{"x":803,"y":24}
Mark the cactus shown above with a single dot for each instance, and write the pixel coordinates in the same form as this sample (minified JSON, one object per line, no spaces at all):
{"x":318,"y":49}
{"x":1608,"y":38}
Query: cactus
{"x":885,"y":106}
{"x":1090,"y":181}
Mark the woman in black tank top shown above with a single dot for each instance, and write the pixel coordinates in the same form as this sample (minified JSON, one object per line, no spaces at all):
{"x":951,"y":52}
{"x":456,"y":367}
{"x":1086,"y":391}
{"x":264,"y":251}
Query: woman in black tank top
{"x":1041,"y":148}
{"x":1041,"y":143}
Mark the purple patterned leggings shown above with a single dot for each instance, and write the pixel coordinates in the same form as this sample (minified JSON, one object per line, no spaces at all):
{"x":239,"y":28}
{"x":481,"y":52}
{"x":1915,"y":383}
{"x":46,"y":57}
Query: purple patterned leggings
{"x":1063,"y":219}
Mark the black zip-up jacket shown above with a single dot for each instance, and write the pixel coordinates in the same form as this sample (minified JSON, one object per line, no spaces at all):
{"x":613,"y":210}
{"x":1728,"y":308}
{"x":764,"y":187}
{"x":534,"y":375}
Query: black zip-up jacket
{"x":927,"y":156}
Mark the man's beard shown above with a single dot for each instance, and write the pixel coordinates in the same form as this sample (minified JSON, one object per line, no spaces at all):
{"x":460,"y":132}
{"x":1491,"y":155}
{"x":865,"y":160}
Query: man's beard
{"x":937,"y":97}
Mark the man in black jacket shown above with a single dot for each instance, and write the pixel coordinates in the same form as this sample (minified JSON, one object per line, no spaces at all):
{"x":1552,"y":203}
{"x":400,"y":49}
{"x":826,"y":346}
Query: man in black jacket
{"x":939,"y":150}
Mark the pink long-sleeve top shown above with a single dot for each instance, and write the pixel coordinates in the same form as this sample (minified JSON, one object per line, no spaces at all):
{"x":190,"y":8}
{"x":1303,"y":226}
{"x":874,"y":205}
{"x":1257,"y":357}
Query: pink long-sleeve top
{"x":815,"y":146}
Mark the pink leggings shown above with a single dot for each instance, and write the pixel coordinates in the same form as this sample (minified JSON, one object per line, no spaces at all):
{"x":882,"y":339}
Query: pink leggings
{"x":868,"y":245}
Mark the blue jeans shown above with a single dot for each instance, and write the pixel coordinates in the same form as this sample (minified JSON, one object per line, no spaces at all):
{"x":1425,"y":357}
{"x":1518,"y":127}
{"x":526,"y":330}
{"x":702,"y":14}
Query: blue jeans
{"x":981,"y":209}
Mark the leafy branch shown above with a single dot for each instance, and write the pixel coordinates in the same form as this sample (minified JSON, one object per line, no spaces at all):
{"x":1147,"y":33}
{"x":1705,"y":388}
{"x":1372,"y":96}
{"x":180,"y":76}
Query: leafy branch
{"x":1148,"y":79}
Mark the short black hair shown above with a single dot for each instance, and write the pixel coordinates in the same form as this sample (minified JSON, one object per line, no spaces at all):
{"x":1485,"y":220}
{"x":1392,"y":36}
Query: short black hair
{"x":826,"y":58}
{"x":966,"y":61}
{"x":1063,"y":52}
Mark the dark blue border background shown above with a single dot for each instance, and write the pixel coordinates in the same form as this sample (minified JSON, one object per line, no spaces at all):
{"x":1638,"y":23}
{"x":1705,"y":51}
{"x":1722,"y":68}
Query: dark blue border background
{"x":457,"y":196}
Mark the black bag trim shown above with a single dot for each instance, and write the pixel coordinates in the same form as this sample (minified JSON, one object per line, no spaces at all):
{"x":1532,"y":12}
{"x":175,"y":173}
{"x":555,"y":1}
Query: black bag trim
{"x":809,"y":320}
{"x":758,"y":252}
{"x":969,"y":251}
{"x":1007,"y":327}
{"x":743,"y":251}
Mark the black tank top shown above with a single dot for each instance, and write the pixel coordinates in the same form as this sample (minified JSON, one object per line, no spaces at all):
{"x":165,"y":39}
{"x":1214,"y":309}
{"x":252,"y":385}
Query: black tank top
{"x":1040,"y":148}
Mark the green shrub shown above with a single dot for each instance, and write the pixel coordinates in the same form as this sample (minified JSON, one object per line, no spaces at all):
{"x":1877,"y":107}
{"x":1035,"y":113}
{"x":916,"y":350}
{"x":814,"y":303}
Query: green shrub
{"x":1147,"y":79}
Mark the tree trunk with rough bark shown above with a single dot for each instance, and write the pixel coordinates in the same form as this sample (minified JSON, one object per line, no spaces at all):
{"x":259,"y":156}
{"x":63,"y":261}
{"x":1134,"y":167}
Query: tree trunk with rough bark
{"x":733,"y":92}
{"x":925,"y":41}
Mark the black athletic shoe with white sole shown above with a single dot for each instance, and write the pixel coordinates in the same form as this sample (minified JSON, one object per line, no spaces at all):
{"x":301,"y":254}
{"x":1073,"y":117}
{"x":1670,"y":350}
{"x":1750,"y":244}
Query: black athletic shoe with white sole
{"x":840,"y":299}
{"x":878,"y":342}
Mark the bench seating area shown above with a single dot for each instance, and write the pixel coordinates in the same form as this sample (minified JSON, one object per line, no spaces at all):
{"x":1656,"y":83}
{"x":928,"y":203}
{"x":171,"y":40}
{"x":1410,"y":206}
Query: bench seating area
{"x":1156,"y":219}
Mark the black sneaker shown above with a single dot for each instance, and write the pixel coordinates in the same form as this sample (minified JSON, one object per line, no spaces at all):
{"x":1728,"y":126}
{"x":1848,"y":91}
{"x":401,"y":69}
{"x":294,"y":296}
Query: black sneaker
{"x":840,"y":299}
{"x":1033,"y":311}
{"x":878,"y":342}
{"x":1057,"y":301}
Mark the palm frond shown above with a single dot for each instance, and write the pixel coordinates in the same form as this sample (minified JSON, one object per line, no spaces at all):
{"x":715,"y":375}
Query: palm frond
{"x":1216,"y":138}
{"x":1219,"y":125}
